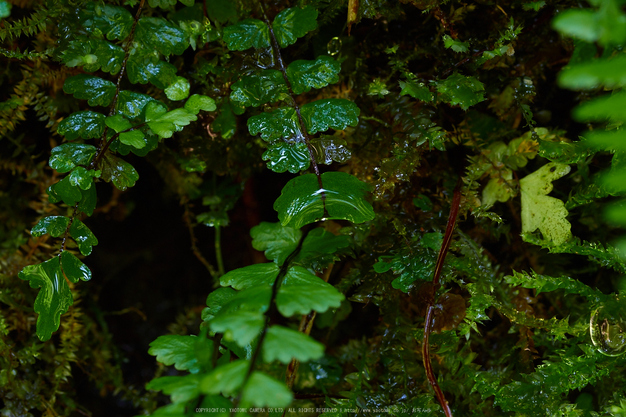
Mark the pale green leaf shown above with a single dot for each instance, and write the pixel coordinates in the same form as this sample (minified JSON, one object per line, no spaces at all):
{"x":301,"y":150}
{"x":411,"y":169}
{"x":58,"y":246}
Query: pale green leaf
{"x":265,"y":391}
{"x":225,"y":379}
{"x":301,"y":292}
{"x":179,"y":351}
{"x":276,"y":240}
{"x":180,"y":388}
{"x":178,"y":90}
{"x":198,"y":102}
{"x":285,"y":344}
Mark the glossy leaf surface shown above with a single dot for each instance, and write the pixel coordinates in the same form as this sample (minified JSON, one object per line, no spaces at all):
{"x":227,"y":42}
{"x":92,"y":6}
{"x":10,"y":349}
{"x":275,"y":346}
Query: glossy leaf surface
{"x":302,"y":292}
{"x":54,"y":225}
{"x":332,"y":113}
{"x":165,"y":124}
{"x":293,"y":23}
{"x":54,"y":297}
{"x":95,"y":90}
{"x":246,"y":34}
{"x":131,"y":104}
{"x":73,"y":268}
{"x":461,"y":90}
{"x":64,"y":191}
{"x":283,"y":156}
{"x":159,"y":34}
{"x":277,"y":241}
{"x":83,"y":178}
{"x":280,"y":123}
{"x":178,"y":90}
{"x":93,"y":55}
{"x":83,"y":236}
{"x":301,"y":200}
{"x":304,"y":75}
{"x":254,"y":90}
{"x":112,"y":22}
{"x":68,"y":156}
{"x":199,"y":102}
{"x":119,"y":172}
{"x":82,"y":124}
{"x":285,"y":344}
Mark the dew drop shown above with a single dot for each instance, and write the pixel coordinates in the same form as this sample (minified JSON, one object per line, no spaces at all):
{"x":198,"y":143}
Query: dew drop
{"x":334,"y":46}
{"x":608,"y":329}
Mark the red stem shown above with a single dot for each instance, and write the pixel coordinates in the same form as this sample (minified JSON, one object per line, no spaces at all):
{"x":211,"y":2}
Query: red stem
{"x":454,"y":211}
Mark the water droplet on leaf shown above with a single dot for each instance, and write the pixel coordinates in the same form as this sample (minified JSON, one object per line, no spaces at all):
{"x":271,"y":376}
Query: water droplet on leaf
{"x":334,"y":46}
{"x":608,"y":329}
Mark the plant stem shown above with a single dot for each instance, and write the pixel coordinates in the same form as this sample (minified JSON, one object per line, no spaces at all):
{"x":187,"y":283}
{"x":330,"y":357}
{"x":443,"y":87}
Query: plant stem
{"x":454,"y":211}
{"x":218,"y":251}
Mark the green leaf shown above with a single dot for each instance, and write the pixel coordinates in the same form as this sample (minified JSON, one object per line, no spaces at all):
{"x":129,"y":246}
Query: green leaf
{"x":93,"y":55}
{"x":607,"y":28}
{"x":88,"y":201}
{"x":178,"y":90}
{"x":5,"y":9}
{"x":164,"y":125}
{"x":134,"y":138}
{"x":607,"y":107}
{"x":293,"y":23}
{"x":539,"y":211}
{"x":544,"y":283}
{"x":302,"y":202}
{"x":254,"y":90}
{"x":68,"y":156}
{"x":73,"y":268}
{"x":132,"y":104}
{"x":334,"y":113}
{"x":246,"y":34}
{"x":264,"y":391}
{"x":163,"y":4}
{"x":95,"y":90}
{"x":457,"y":46}
{"x":461,"y":90}
{"x":119,"y":172}
{"x":54,"y":225}
{"x":83,"y":124}
{"x":159,"y":34}
{"x":417,"y":91}
{"x":118,"y":123}
{"x":320,"y":248}
{"x":148,"y":68}
{"x":304,"y":75}
{"x":241,"y":326}
{"x":225,"y":379}
{"x":608,"y":73}
{"x":276,"y":240}
{"x":180,"y":388}
{"x":179,"y":351}
{"x":64,"y":191}
{"x":282,"y":156}
{"x":113,"y":22}
{"x":199,"y":102}
{"x":250,"y":276}
{"x":301,"y":292}
{"x":284,"y":344}
{"x":54,"y":298}
{"x":280,"y":123}
{"x":83,"y":236}
{"x":221,"y":10}
{"x":83,"y":177}
{"x":329,"y":148}
{"x":216,"y":300}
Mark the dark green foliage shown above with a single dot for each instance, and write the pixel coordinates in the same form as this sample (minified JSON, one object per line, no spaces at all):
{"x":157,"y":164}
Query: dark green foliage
{"x":402,"y":103}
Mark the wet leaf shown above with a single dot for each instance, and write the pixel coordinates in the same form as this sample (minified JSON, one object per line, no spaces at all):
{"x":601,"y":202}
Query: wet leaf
{"x":132,"y":104}
{"x":293,"y":23}
{"x":199,"y":102}
{"x":83,"y":177}
{"x":119,"y":172}
{"x":64,"y":191}
{"x":179,"y":351}
{"x":93,"y":55}
{"x":180,"y":388}
{"x":461,"y":90}
{"x":148,"y":68}
{"x":330,"y":148}
{"x":134,"y":138}
{"x":281,"y":123}
{"x":254,"y":90}
{"x":282,"y":156}
{"x":95,"y":90}
{"x":417,"y":91}
{"x":332,"y":113}
{"x":159,"y":34}
{"x":83,"y":236}
{"x":82,"y":124}
{"x":54,"y":225}
{"x":54,"y":297}
{"x":118,"y":123}
{"x":302,"y":202}
{"x":88,"y":201}
{"x":246,"y":34}
{"x":539,"y":211}
{"x":304,"y":75}
{"x":178,"y":90}
{"x":276,"y":240}
{"x":68,"y":156}
{"x":284,"y":344}
{"x":302,"y":292}
{"x":225,"y":379}
{"x":320,"y":248}
{"x":112,"y":22}
{"x":73,"y":268}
